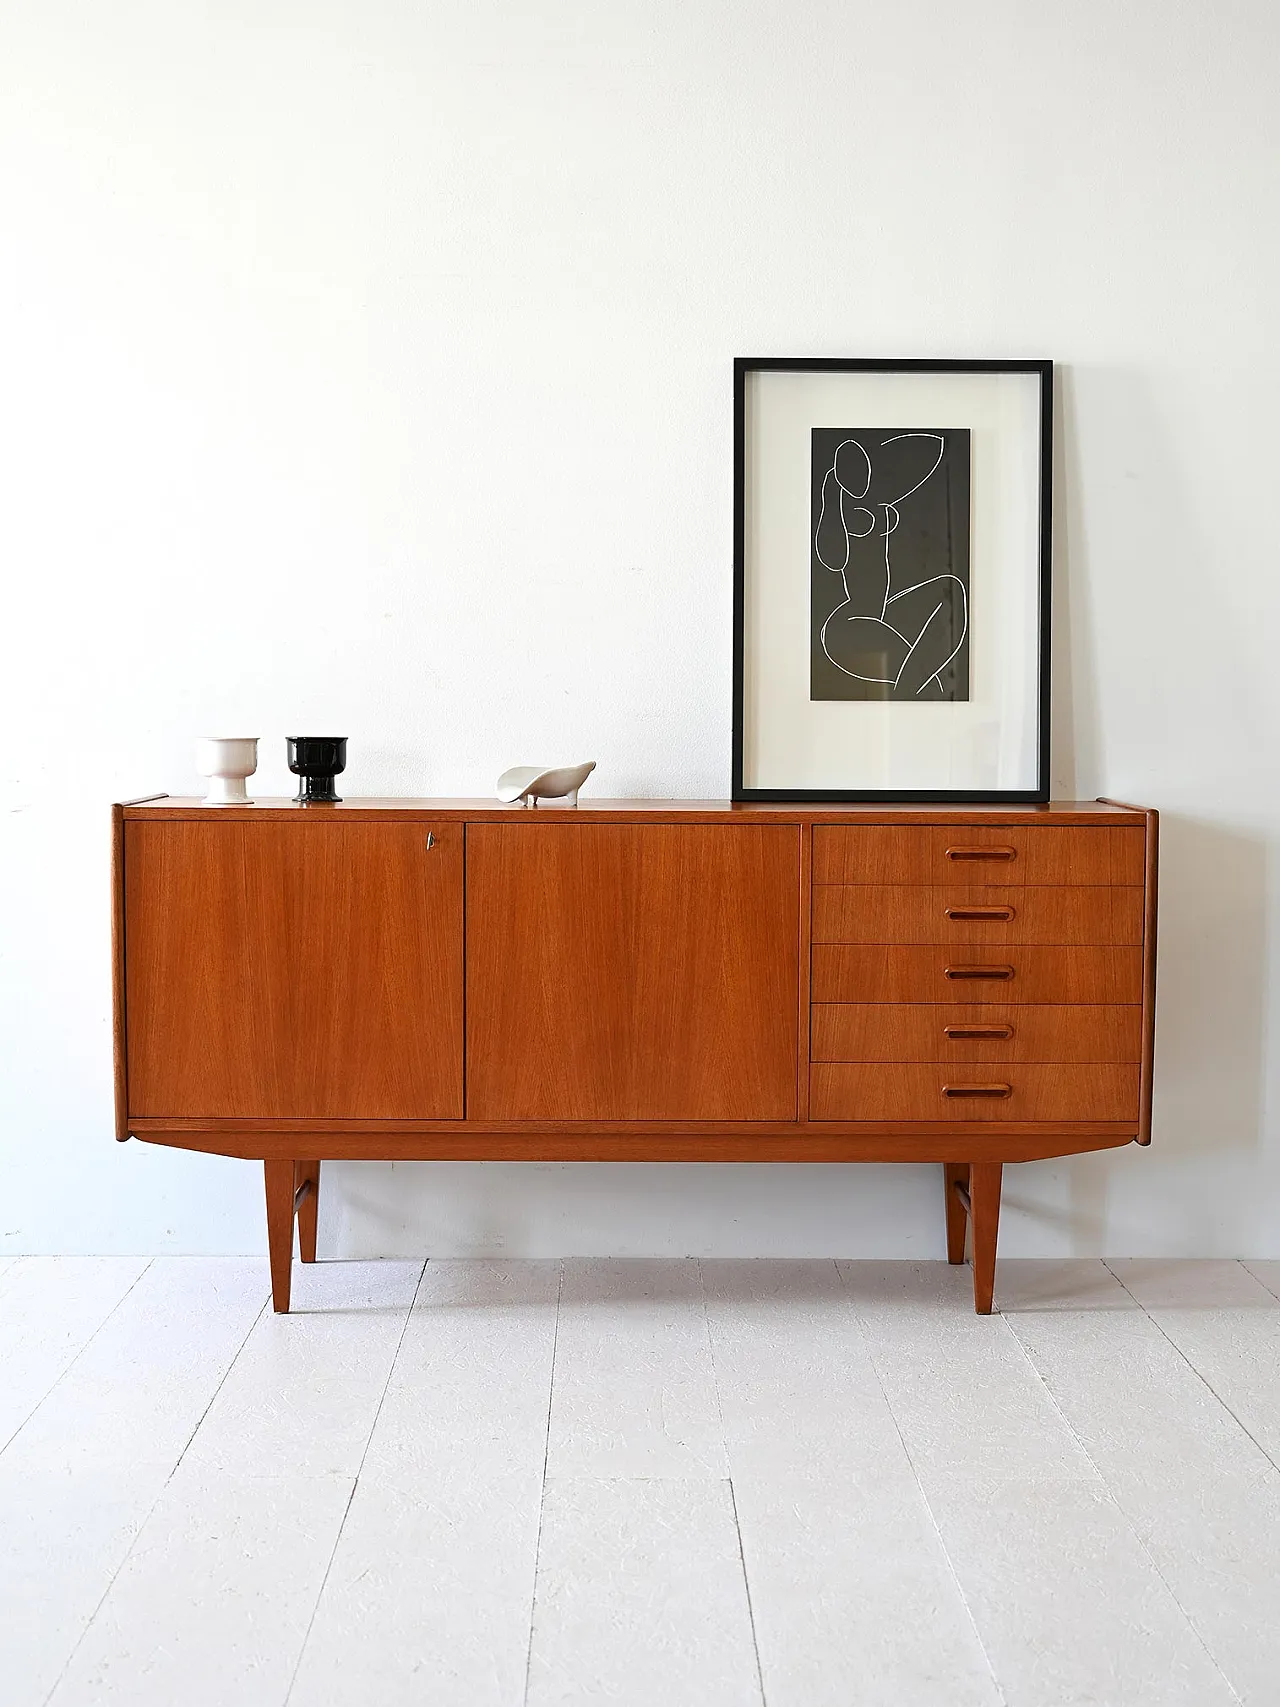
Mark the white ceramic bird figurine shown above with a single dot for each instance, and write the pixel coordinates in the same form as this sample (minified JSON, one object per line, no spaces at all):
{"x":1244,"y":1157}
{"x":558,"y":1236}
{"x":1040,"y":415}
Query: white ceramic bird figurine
{"x":528,"y":783}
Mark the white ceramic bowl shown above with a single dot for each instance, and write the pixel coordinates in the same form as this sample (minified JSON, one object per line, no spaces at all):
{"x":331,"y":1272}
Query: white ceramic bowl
{"x":226,"y":760}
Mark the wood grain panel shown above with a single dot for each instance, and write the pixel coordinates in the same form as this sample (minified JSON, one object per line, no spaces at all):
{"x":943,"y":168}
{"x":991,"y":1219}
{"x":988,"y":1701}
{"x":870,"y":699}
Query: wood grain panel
{"x":825,"y":1141}
{"x":885,"y":973}
{"x":1035,"y":913}
{"x":1035,"y":1091}
{"x":1149,"y":959}
{"x":592,"y":808}
{"x":622,"y":972}
{"x":1149,"y":974}
{"x":927,"y":1031}
{"x":802,"y":970}
{"x":119,"y":1054}
{"x":1062,"y":854}
{"x":294,"y":968}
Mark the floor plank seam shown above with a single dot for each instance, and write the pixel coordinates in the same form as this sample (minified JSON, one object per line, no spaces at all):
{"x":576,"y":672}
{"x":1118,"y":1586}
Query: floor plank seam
{"x":1155,"y":1477}
{"x":1261,"y":1282}
{"x":715,"y":1373}
{"x":733,"y":1496}
{"x":746,"y":1586}
{"x":8,"y":1268}
{"x":62,"y":1374}
{"x":355,"y":1483}
{"x":928,"y":1504}
{"x":186,"y":1445}
{"x":1128,"y":1522}
{"x":542,"y":1494}
{"x":160,"y":1493}
{"x":1198,"y":1373}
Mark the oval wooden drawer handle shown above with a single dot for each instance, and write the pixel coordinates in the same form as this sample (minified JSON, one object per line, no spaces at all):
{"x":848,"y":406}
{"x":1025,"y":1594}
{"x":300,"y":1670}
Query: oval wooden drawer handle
{"x":977,"y":1090}
{"x":982,"y":853}
{"x":976,"y":1033}
{"x":1002,"y":972}
{"x":981,"y":913}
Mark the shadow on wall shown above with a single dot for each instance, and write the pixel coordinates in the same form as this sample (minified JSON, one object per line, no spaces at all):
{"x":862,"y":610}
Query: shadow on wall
{"x":1074,"y":710}
{"x":1118,"y":478}
{"x":1210,"y":1066}
{"x":1210,"y":1040}
{"x":623,"y":1209}
{"x":1210,"y":1072}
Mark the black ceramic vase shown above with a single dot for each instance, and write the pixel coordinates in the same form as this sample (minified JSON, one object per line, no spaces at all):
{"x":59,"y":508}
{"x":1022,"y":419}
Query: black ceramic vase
{"x":316,"y":760}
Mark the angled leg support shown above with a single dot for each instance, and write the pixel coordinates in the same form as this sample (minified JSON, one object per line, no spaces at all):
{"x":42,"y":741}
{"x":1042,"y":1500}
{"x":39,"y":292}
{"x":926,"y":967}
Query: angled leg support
{"x":279,"y":1179}
{"x":984,"y":1213}
{"x":306,"y":1194}
{"x":293,"y":1191}
{"x":973,"y":1190}
{"x":955,"y":1174}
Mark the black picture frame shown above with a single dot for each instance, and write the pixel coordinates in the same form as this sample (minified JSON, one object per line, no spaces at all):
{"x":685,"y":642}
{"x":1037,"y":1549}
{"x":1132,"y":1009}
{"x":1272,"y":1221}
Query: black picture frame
{"x":746,"y":365}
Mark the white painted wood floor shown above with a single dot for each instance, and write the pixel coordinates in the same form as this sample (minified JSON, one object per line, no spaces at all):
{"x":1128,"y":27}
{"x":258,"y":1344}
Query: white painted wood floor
{"x":718,"y":1483}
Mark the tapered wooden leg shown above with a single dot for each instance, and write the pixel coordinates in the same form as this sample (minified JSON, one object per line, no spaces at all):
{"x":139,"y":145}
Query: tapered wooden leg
{"x":954,"y":1174}
{"x":308,"y":1174}
{"x":280,"y":1230}
{"x":984,"y":1195}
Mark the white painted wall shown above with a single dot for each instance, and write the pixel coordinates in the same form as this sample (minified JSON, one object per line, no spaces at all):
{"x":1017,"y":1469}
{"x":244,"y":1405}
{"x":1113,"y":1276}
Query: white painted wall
{"x":366,"y":364}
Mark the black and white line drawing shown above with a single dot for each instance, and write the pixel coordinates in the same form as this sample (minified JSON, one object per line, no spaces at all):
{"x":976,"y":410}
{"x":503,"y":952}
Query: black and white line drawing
{"x":889,"y":530}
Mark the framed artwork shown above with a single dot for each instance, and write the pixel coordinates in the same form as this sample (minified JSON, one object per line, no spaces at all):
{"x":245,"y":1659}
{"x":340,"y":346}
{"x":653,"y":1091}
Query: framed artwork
{"x":891,"y":580}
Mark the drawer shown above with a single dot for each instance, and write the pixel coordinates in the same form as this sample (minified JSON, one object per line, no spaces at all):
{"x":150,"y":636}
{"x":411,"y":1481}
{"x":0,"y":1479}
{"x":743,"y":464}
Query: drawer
{"x":844,"y":972}
{"x":874,"y":912}
{"x":1039,"y":1091}
{"x":925,"y":1031}
{"x":971,"y":854}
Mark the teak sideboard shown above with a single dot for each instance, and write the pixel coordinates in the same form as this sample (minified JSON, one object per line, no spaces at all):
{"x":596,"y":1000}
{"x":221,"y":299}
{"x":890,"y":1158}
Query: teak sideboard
{"x":634,"y":981}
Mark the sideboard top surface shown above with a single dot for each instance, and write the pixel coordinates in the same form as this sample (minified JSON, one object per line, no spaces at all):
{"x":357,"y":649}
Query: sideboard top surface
{"x":665,"y":811}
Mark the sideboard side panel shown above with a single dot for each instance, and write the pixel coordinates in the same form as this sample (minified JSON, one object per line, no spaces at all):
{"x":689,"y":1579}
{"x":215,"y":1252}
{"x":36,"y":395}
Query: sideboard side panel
{"x":1149,"y":974}
{"x":632,"y":972}
{"x":119,"y":1052}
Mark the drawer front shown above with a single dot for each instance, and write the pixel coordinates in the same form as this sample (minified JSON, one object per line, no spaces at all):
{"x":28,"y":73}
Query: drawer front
{"x":887,"y":1031}
{"x":979,"y":854}
{"x":907,"y":913}
{"x":1040,"y":1092}
{"x":845,"y":972}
